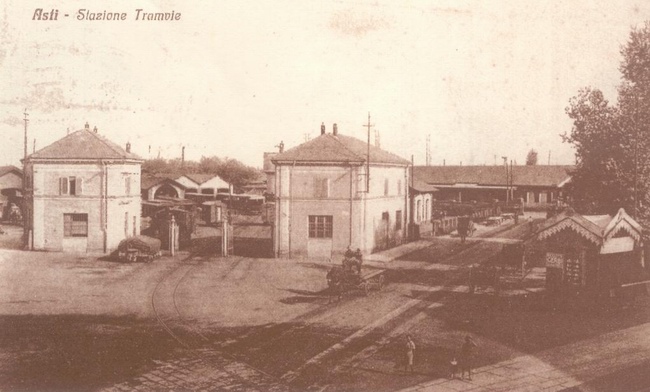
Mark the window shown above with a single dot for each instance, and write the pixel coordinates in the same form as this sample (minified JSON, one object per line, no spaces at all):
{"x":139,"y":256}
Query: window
{"x":207,"y":191}
{"x":127,"y":185}
{"x":75,"y":225}
{"x":126,"y":224}
{"x":320,"y":226}
{"x":398,"y":220}
{"x":418,"y":213}
{"x":192,"y":190}
{"x":385,"y":186}
{"x":385,"y":216}
{"x":399,"y":187}
{"x":321,"y":187}
{"x":70,"y":186}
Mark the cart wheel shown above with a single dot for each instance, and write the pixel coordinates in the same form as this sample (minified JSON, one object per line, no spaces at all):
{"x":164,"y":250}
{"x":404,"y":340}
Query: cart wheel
{"x":380,"y":284}
{"x":366,"y":288}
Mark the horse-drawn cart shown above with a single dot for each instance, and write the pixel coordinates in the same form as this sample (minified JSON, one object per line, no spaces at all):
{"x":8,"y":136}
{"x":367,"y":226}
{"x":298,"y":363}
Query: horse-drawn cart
{"x":350,"y":277}
{"x":138,"y":248}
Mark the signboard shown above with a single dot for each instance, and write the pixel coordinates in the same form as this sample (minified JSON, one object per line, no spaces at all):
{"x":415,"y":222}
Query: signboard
{"x":572,"y":271}
{"x":554,"y":260}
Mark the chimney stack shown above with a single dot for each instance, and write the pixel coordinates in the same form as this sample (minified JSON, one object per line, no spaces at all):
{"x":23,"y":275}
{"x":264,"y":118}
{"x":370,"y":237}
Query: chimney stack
{"x":183,"y":156}
{"x":87,"y":126}
{"x":336,"y":130}
{"x":322,"y":128}
{"x":95,"y":129}
{"x":128,"y":146}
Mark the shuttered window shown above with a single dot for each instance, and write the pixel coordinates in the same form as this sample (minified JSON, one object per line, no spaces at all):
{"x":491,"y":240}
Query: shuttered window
{"x":70,"y":186}
{"x":321,"y":188}
{"x":75,"y":225}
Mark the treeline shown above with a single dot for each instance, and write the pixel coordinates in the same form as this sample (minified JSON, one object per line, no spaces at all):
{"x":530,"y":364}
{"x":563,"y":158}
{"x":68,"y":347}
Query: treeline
{"x":231,"y":170}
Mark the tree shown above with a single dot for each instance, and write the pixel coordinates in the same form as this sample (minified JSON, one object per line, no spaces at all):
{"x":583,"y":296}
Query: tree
{"x":531,"y":158}
{"x":611,"y":141}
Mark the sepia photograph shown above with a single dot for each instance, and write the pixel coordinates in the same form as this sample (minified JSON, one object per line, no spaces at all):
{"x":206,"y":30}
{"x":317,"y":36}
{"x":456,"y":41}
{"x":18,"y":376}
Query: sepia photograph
{"x":324,"y":196}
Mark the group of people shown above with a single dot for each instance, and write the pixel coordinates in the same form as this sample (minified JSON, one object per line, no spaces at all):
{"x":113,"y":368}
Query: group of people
{"x":352,"y":260}
{"x":463,"y":362}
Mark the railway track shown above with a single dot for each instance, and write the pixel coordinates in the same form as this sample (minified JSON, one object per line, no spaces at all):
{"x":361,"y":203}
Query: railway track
{"x":166,"y":310}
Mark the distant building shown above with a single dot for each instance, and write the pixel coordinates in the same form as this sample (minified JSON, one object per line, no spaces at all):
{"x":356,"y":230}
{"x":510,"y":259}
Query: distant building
{"x":322,"y":203}
{"x":82,"y":194}
{"x":154,"y":188}
{"x":269,"y":170}
{"x":537,"y":185}
{"x":11,"y":186}
{"x":204,"y":184}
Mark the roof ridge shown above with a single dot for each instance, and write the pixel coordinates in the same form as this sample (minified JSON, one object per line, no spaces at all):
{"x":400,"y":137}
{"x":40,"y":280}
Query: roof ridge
{"x":106,"y":142}
{"x":345,"y":147}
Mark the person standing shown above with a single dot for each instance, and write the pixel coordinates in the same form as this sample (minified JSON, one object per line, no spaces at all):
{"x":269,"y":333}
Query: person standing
{"x":410,"y":353}
{"x":466,"y":357}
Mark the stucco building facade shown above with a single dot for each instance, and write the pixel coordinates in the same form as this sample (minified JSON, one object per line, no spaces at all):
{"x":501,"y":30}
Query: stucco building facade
{"x":83,"y":194}
{"x":323,"y":204}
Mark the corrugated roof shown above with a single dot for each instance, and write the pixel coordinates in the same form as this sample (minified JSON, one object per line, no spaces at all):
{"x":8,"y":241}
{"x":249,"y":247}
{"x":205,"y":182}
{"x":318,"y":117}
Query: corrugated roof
{"x":83,"y":144}
{"x":339,"y":149}
{"x":534,"y":175}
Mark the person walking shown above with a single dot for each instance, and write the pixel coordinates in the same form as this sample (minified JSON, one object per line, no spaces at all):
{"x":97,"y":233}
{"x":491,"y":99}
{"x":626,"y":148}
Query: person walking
{"x":410,"y":353}
{"x":466,"y":357}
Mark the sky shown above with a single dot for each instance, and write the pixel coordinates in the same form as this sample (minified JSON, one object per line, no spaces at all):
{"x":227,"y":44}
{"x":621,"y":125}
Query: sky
{"x":482,"y":79}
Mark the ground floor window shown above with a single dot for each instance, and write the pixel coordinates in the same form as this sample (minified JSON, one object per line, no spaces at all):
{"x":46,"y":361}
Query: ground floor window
{"x":75,"y":225}
{"x":398,"y":220}
{"x":320,"y":226}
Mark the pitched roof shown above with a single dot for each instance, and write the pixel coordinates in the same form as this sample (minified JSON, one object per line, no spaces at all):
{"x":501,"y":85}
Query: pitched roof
{"x":597,"y":228}
{"x":8,"y":169}
{"x":83,"y":144}
{"x":339,"y":149}
{"x":534,"y":175}
{"x":147,"y":182}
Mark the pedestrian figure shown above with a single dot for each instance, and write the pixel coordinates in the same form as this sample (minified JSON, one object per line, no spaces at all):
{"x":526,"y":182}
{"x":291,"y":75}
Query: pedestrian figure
{"x":410,"y":352}
{"x":453,"y":368}
{"x":466,"y":357}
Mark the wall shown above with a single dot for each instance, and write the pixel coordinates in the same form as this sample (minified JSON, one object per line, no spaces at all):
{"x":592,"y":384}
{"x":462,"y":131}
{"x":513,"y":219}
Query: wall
{"x":338,"y":191}
{"x":49,"y":205}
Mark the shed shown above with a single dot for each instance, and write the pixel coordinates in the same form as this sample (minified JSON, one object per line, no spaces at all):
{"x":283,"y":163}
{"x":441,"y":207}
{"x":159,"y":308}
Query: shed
{"x":591,"y":254}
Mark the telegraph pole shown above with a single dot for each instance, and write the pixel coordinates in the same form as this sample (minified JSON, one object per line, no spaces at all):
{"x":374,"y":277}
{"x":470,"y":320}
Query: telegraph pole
{"x":26,"y":218}
{"x":368,"y":125}
{"x":505,"y":163}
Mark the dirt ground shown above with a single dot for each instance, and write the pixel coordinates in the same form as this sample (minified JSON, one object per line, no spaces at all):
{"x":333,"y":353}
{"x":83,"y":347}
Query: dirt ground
{"x":80,"y":323}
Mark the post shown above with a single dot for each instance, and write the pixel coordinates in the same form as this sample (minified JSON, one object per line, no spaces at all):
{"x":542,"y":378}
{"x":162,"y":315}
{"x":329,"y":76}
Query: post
{"x":172,"y":236}
{"x":224,"y":237}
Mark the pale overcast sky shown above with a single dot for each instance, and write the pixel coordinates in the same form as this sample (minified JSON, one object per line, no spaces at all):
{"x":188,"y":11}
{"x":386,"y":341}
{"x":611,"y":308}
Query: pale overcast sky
{"x":234,"y":78}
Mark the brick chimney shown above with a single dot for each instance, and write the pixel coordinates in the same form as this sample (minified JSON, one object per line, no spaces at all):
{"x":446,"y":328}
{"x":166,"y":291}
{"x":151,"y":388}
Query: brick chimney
{"x":335,"y":130}
{"x":95,"y":129}
{"x":322,"y":128}
{"x":128,"y":146}
{"x":87,"y":126}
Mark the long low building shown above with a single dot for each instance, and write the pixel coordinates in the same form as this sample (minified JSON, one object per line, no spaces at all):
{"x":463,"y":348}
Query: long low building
{"x":536,"y":185}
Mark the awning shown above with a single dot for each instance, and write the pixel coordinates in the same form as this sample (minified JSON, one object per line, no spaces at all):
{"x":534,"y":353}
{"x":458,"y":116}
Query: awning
{"x":617,"y":245}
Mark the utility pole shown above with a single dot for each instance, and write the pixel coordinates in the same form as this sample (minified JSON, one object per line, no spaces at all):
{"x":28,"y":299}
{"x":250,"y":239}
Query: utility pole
{"x":26,"y":215}
{"x":549,"y":157}
{"x":368,"y":125}
{"x":505,"y":163}
{"x":428,"y":156}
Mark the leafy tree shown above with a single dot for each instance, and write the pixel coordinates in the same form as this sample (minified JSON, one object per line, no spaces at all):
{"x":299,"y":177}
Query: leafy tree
{"x":231,"y":170}
{"x":611,"y":141}
{"x":531,"y":158}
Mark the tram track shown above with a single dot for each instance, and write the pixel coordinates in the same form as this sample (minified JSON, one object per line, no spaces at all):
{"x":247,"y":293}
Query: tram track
{"x":235,"y":367}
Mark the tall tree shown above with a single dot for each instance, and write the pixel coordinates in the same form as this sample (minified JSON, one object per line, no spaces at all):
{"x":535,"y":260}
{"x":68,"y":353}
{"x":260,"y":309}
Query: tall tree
{"x":611,"y":141}
{"x":531,"y":158}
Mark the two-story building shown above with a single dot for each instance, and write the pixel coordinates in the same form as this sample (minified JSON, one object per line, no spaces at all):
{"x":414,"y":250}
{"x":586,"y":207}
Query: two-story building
{"x":336,"y":191}
{"x":82,"y":194}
